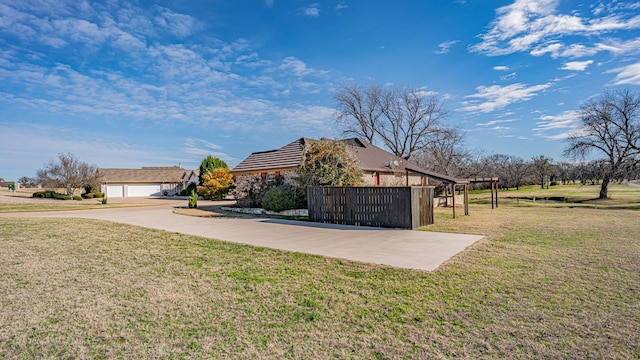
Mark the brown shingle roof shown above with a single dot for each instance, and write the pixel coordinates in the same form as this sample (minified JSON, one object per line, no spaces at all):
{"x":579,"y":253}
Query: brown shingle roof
{"x":371,"y":157}
{"x":286,"y":157}
{"x":144,"y":175}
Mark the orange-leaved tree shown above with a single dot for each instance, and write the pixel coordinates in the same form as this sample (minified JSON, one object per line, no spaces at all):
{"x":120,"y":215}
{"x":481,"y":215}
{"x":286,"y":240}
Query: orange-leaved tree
{"x":216,"y":184}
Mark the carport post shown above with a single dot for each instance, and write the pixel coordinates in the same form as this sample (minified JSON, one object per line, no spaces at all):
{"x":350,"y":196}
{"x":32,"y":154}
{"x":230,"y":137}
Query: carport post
{"x":453,"y":199}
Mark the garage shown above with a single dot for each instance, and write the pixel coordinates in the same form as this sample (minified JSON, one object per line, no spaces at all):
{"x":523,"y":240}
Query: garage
{"x":147,"y":181}
{"x":143,"y":190}
{"x":115,"y":191}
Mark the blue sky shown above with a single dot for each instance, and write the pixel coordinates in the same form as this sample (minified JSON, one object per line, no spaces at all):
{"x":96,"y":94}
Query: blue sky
{"x":147,"y":83}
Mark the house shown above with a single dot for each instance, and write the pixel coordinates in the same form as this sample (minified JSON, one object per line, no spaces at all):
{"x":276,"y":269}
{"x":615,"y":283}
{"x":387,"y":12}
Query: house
{"x":380,"y":167}
{"x":190,"y":176}
{"x":5,"y":184}
{"x":146,"y":181}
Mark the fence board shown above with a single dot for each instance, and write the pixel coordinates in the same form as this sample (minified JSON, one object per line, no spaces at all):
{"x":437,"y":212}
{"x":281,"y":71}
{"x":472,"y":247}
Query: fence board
{"x":394,"y":207}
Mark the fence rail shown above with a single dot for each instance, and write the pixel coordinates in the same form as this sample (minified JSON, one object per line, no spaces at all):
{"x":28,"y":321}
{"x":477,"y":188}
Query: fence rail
{"x":392,"y":207}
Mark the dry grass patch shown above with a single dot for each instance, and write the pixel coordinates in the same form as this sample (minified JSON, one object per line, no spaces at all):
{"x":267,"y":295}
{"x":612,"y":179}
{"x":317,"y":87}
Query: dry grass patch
{"x":545,"y":283}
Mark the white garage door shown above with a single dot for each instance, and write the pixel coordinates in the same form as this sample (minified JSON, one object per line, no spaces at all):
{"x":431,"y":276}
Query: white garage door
{"x":143,"y":190}
{"x":115,"y":191}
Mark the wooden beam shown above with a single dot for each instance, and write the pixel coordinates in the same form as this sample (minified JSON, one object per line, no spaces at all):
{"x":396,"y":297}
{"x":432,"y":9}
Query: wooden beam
{"x":453,"y":199}
{"x":492,"y":194}
{"x":466,"y":199}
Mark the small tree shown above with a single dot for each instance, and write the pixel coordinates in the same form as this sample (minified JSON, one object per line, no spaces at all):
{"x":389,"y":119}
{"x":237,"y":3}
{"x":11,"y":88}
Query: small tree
{"x":27,"y":182}
{"x":193,"y":199}
{"x":68,"y":172}
{"x":543,"y":168}
{"x":328,"y":162}
{"x":216,"y":185}
{"x":209,"y":164}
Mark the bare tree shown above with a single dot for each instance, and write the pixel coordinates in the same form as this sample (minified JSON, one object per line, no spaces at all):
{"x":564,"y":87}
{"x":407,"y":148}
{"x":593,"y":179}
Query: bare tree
{"x":359,"y":110}
{"x":610,"y":127}
{"x":445,"y":153}
{"x":543,"y":167}
{"x":69,"y":172}
{"x":404,"y":119}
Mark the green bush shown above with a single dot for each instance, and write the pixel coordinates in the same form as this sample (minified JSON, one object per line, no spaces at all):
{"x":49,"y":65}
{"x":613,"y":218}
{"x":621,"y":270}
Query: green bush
{"x":104,"y":201}
{"x":78,"y":198}
{"x":50,"y":194}
{"x":284,"y":197}
{"x":193,"y":200}
{"x":93,"y":194}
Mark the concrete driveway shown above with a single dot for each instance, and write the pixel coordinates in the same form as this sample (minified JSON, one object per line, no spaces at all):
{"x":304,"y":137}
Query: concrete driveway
{"x":400,"y":248}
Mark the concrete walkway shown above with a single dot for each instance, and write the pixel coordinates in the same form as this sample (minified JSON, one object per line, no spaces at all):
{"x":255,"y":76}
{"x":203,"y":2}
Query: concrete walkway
{"x":400,"y":248}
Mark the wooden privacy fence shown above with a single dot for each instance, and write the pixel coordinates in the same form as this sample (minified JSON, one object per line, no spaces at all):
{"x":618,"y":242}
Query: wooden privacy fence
{"x":391,"y":207}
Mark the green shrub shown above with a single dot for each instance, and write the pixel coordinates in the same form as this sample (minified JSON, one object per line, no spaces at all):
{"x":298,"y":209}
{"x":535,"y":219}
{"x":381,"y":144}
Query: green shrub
{"x":50,"y":194}
{"x":284,"y":197}
{"x":193,"y":200}
{"x":104,"y":201}
{"x":93,"y":194}
{"x":78,"y":198}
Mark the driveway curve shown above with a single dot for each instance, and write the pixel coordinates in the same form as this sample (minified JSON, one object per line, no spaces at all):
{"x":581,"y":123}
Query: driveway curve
{"x":421,"y":250}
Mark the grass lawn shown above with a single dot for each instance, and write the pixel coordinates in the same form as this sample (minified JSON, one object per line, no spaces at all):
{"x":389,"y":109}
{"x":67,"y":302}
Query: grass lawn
{"x":548,"y":281}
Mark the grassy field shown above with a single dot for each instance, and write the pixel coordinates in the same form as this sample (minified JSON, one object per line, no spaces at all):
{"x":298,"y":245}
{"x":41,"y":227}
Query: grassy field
{"x":550,"y":280}
{"x":586,"y":196}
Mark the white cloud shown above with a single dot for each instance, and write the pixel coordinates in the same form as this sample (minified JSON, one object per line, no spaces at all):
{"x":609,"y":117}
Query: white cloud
{"x":576,"y":65}
{"x":446,"y":46}
{"x":497,"y":97}
{"x":627,"y":75}
{"x":341,"y":6}
{"x":559,"y":126}
{"x":509,"y":76}
{"x":203,"y":148}
{"x":297,"y":67}
{"x":494,"y":122}
{"x":312,"y":11}
{"x":531,"y":24}
{"x":501,"y":68}
{"x":306,"y":118}
{"x":177,"y":24}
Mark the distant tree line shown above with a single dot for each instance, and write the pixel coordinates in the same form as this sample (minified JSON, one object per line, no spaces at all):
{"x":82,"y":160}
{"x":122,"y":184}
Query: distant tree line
{"x":514,"y":172}
{"x":409,"y":122}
